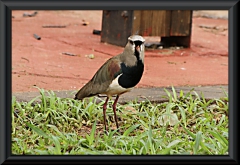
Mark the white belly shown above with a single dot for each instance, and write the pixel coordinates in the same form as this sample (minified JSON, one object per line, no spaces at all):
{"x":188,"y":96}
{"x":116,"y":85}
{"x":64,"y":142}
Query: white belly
{"x":114,"y":88}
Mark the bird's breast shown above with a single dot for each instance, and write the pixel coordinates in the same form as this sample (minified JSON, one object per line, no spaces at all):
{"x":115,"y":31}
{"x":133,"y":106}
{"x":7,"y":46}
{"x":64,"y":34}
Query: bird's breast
{"x":131,"y":75}
{"x":115,"y":88}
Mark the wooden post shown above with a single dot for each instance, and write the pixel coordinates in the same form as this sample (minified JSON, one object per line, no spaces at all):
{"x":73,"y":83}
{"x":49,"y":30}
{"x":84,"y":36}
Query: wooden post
{"x":173,"y":26}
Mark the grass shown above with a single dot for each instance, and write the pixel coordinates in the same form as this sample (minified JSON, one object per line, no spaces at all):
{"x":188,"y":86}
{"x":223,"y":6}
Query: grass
{"x":185,"y":124}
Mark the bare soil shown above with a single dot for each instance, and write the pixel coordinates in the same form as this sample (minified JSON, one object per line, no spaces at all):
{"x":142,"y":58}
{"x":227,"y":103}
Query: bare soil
{"x":42,"y":62}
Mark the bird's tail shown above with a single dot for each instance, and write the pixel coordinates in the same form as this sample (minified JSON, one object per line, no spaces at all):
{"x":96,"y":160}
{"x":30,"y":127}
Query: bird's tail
{"x":85,"y":91}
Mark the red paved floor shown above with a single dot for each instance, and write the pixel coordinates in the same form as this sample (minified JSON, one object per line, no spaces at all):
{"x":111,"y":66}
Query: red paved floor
{"x":41,"y":63}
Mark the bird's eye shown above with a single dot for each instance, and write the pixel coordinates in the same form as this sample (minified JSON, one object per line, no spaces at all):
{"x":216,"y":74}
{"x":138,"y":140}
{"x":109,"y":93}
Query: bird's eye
{"x":131,"y":42}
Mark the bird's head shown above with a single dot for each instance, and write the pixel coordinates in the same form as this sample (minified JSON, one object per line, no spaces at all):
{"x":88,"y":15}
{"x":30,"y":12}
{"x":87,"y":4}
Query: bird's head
{"x":136,"y":45}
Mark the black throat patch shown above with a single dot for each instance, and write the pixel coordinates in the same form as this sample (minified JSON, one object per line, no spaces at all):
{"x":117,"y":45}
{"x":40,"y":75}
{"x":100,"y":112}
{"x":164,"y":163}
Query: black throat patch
{"x":131,"y":75}
{"x":136,"y":53}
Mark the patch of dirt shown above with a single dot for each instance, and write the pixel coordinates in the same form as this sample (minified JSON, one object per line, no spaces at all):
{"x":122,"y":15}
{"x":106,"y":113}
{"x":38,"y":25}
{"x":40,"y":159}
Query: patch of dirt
{"x":41,"y":62}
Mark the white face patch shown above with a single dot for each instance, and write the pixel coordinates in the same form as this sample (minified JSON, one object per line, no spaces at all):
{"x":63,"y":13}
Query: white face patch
{"x":141,"y":47}
{"x":133,"y":47}
{"x":136,"y":38}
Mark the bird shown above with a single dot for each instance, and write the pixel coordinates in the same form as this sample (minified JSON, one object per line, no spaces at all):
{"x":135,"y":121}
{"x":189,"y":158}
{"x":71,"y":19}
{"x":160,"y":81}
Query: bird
{"x":118,"y":75}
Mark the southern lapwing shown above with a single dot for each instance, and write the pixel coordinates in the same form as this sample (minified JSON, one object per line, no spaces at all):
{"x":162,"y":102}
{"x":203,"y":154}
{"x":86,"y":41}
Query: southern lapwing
{"x":117,"y":75}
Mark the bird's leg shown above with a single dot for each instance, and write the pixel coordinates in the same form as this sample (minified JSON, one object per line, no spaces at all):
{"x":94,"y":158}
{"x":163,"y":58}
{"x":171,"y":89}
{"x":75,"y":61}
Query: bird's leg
{"x":104,"y":113}
{"x":114,"y":110}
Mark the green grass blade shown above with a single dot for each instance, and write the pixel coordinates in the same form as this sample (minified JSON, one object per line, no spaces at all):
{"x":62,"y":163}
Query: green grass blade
{"x":194,"y":137}
{"x":130,"y":129}
{"x":197,"y":142}
{"x":37,"y":130}
{"x":55,"y":129}
{"x":169,"y":95}
{"x":220,"y":138}
{"x":173,"y":143}
{"x":93,"y":132}
{"x":174,"y":94}
{"x":56,"y":143}
{"x":181,"y":94}
{"x":183,"y":115}
{"x":165,"y":151}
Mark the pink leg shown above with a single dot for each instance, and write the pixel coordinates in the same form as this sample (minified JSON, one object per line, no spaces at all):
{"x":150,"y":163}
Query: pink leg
{"x":104,"y":113}
{"x":114,"y":110}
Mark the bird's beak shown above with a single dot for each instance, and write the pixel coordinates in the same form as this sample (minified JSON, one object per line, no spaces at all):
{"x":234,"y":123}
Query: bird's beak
{"x":138,"y":48}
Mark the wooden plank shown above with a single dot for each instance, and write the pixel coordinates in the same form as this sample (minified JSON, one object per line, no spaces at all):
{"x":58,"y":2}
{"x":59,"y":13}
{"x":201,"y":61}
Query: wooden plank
{"x":115,"y":27}
{"x":137,"y":22}
{"x":152,"y":22}
{"x":161,"y":22}
{"x":105,"y":25}
{"x":146,"y":22}
{"x":181,"y":23}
